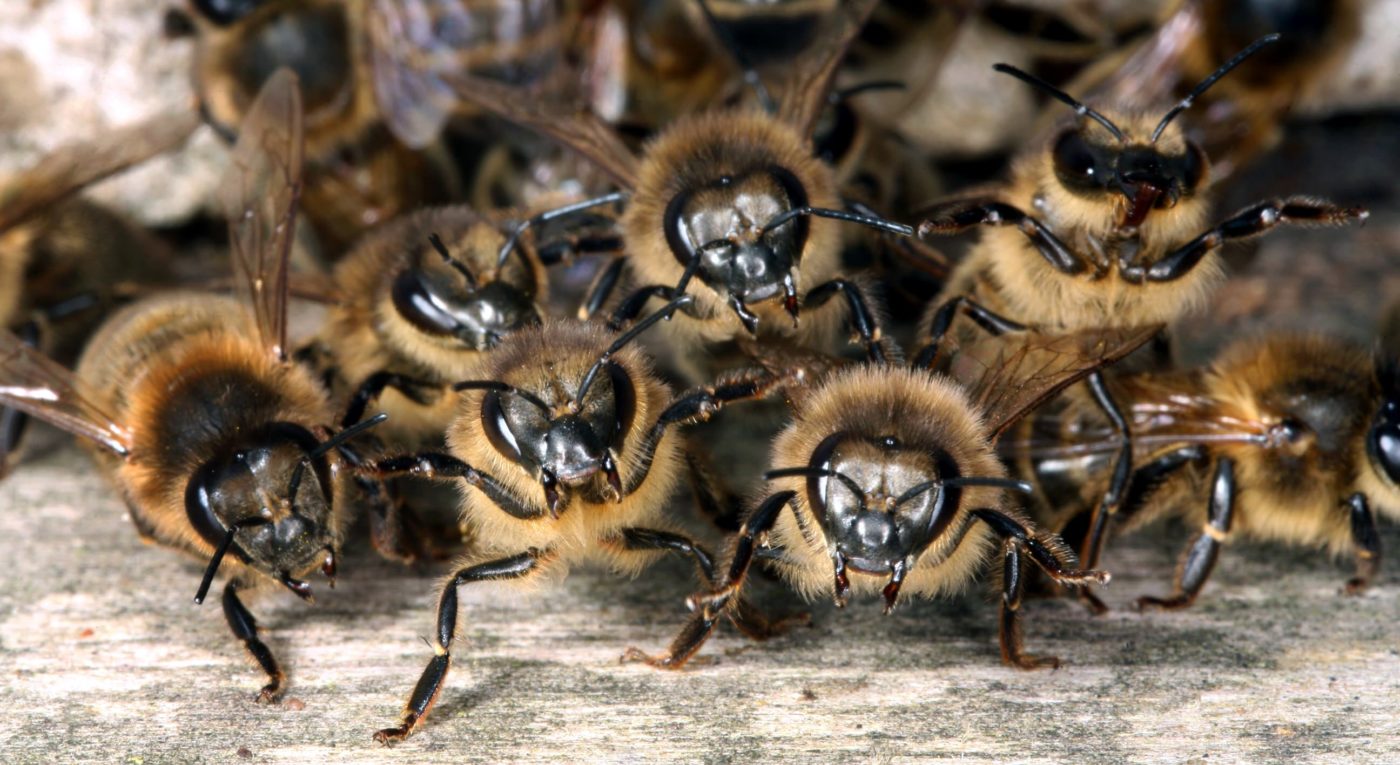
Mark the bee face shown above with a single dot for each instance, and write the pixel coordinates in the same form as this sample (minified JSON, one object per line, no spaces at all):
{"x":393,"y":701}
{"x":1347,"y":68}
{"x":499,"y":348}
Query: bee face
{"x":439,"y":301}
{"x":725,"y":225}
{"x":568,"y":442}
{"x":251,"y":483}
{"x":1149,"y":176}
{"x":895,"y":513}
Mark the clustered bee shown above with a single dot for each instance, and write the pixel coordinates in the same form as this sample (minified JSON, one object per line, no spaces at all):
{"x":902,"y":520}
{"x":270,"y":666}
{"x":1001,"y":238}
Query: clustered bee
{"x":544,"y":352}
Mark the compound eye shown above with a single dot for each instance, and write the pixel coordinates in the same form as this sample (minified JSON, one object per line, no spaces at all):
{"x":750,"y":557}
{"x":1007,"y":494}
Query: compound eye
{"x":417,"y":305}
{"x":1076,"y":163}
{"x":1384,"y":442}
{"x":1193,"y":167}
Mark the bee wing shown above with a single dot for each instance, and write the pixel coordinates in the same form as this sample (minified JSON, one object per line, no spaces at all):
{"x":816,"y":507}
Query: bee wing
{"x":259,"y":198}
{"x":1147,"y":75}
{"x":1009,"y":375}
{"x":804,"y":90}
{"x":416,"y":44}
{"x":33,"y":383}
{"x":572,"y":126}
{"x":72,"y":167}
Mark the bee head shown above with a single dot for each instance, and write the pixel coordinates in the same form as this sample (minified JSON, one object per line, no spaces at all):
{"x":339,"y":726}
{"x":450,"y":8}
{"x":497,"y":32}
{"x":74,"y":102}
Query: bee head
{"x":442,"y":297}
{"x":246,"y":502}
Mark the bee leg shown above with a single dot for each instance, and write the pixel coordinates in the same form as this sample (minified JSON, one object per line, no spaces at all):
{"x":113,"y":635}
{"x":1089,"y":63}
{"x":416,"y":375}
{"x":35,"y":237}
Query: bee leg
{"x":958,"y":215}
{"x":430,"y":684}
{"x":990,"y":321}
{"x":570,"y":246}
{"x":862,"y":317}
{"x":743,"y":615}
{"x":709,"y":606}
{"x":715,"y":500}
{"x":631,"y":306}
{"x":1247,"y":223}
{"x":245,"y":628}
{"x":602,"y":288}
{"x":437,"y":466}
{"x":374,"y":385}
{"x":1204,"y":548}
{"x":13,"y":422}
{"x":699,"y":405}
{"x":1368,"y":544}
{"x":555,"y":214}
{"x":1017,"y":540}
{"x":391,"y":527}
{"x":1118,"y":486}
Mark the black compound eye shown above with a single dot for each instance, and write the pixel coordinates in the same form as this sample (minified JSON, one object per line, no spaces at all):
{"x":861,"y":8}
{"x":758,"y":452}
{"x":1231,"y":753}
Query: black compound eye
{"x":1077,"y":164}
{"x":1383,"y":442}
{"x":1193,"y":167}
{"x":416,"y":304}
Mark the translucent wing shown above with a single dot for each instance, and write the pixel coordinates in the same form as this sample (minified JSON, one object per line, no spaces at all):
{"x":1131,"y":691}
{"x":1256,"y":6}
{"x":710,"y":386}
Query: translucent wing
{"x":72,"y":167}
{"x":573,"y":126}
{"x":39,"y":386}
{"x":259,"y":198}
{"x":803,"y":92}
{"x":1148,"y":74}
{"x":415,"y":45}
{"x":1009,"y":375}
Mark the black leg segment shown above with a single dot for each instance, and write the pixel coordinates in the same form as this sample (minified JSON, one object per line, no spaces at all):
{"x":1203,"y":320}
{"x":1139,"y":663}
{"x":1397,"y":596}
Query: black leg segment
{"x":245,"y":628}
{"x":1204,"y":548}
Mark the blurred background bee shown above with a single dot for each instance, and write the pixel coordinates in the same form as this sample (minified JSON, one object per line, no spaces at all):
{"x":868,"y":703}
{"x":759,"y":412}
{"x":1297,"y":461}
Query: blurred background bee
{"x":1285,"y":438}
{"x":376,"y":108}
{"x":216,"y":442}
{"x":66,"y":262}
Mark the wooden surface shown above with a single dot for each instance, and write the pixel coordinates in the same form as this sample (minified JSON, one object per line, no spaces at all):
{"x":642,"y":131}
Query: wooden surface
{"x":105,"y":659}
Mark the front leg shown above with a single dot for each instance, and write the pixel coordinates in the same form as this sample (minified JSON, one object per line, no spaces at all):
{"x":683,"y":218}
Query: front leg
{"x":631,"y":306}
{"x":994,"y":323}
{"x":1118,"y":484}
{"x":958,"y":215}
{"x":245,"y":628}
{"x":420,"y":701}
{"x":375,"y":384}
{"x":709,"y":607}
{"x":1203,"y":549}
{"x":699,"y":405}
{"x":1250,"y":222}
{"x":438,"y":466}
{"x":1018,"y":541}
{"x":1368,"y":544}
{"x":863,"y":319}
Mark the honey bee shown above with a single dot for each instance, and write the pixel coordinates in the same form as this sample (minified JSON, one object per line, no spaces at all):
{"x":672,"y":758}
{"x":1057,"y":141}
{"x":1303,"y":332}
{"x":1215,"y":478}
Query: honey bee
{"x":1115,"y":201}
{"x":423,"y":298}
{"x":892,"y":485}
{"x":566,"y":451}
{"x":66,"y":262}
{"x":375,"y":107}
{"x":194,"y":412}
{"x":730,"y":199}
{"x":1242,"y":118}
{"x":1283,"y":438}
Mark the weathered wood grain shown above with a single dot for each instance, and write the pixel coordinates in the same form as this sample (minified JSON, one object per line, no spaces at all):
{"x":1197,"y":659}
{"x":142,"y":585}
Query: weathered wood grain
{"x":105,"y":659}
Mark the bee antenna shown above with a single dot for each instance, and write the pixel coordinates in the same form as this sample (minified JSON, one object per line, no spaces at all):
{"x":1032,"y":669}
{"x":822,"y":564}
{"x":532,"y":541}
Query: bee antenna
{"x":323,"y":448}
{"x":816,"y":472}
{"x":751,"y":78}
{"x":1186,"y":102}
{"x":554,"y":214}
{"x":220,"y":552}
{"x":1061,"y":96}
{"x":665,"y":312}
{"x":889,"y":227}
{"x":1000,"y":483}
{"x":436,"y":242}
{"x":837,"y":96}
{"x":501,"y":387}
